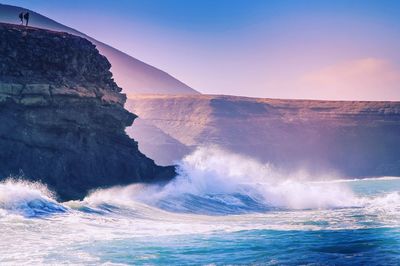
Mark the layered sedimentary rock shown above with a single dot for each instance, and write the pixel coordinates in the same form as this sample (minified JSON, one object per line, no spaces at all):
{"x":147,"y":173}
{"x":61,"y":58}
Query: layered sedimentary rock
{"x":353,"y":139}
{"x":62,"y":116}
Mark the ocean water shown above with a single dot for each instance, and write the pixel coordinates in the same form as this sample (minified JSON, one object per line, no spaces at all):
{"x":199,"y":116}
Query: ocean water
{"x":222,"y":209}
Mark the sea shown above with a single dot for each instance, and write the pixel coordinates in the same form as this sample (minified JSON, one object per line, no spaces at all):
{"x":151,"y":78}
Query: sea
{"x":222,"y":209}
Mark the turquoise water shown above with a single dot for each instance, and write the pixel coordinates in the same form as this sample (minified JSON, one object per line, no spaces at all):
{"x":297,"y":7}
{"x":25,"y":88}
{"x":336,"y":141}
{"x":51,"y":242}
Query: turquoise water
{"x":379,"y":246}
{"x":221,"y":210}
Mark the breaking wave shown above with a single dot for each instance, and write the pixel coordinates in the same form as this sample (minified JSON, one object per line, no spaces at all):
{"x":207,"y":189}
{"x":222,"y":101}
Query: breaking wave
{"x":211,"y":181}
{"x":28,"y":199}
{"x":219,"y":203}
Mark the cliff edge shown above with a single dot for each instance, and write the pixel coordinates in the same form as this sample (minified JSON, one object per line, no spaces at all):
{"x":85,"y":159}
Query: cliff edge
{"x":62,"y":116}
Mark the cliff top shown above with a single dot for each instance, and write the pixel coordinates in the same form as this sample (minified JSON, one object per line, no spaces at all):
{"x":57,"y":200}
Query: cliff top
{"x":73,"y":60}
{"x":290,"y":105}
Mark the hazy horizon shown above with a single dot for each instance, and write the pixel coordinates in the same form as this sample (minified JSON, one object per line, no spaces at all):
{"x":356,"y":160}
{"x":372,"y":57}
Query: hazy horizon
{"x":341,"y":50}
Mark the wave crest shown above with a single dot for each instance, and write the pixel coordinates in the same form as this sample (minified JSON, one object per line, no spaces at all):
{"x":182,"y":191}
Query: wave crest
{"x":29,"y":199}
{"x":214,"y":181}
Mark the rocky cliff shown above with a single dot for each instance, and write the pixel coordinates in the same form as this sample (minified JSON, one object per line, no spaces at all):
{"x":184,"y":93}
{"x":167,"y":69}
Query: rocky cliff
{"x":62,"y":117}
{"x":353,"y":139}
{"x":132,"y":74}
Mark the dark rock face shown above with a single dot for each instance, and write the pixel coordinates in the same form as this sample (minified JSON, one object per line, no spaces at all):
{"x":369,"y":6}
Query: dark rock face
{"x":62,"y":120}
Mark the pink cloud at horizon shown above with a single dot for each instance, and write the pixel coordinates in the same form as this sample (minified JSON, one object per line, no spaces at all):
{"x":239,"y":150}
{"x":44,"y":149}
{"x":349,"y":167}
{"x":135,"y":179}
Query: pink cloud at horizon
{"x":362,"y":79}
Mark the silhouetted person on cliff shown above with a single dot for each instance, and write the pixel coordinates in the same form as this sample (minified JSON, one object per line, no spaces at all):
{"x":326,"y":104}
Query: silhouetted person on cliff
{"x":26,"y":17}
{"x":21,"y":17}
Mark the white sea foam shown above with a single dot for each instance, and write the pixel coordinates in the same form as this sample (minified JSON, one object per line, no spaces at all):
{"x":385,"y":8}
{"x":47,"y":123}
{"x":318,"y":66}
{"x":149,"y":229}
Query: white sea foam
{"x":211,"y":181}
{"x":215,"y":181}
{"x":25,"y":198}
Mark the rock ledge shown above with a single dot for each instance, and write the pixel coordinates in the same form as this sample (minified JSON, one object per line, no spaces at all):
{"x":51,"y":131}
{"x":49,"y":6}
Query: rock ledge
{"x":62,"y":116}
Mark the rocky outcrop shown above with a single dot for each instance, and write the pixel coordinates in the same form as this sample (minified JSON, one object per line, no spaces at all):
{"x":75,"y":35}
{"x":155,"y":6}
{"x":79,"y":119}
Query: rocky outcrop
{"x":132,"y":74}
{"x":351,"y":138}
{"x":62,"y":117}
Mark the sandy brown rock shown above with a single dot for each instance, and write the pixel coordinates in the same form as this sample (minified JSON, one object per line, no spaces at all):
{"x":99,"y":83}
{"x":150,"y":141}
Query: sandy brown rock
{"x":351,"y":138}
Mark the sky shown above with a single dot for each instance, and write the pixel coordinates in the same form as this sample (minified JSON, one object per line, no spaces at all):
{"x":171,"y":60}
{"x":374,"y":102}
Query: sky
{"x":297,"y":49}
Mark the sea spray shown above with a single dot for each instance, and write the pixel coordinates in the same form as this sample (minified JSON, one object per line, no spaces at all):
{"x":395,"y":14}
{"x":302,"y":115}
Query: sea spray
{"x":29,"y":199}
{"x":211,"y":181}
{"x":273,"y":212}
{"x":214,"y":181}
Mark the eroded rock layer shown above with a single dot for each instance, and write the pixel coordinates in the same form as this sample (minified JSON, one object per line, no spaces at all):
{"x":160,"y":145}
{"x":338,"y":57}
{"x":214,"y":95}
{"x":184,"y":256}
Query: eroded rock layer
{"x":62,"y":116}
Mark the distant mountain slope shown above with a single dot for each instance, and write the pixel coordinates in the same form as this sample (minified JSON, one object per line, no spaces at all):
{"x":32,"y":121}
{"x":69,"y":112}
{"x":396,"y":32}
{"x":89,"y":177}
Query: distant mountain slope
{"x":133,"y":75}
{"x":352,"y":138}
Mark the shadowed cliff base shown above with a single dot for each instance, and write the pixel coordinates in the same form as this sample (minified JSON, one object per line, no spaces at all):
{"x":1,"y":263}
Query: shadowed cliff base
{"x":62,"y":120}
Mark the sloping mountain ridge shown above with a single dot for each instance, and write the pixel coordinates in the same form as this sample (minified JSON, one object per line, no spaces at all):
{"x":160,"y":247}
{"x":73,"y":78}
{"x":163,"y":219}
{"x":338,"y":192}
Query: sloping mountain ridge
{"x":133,"y":75}
{"x":351,"y":138}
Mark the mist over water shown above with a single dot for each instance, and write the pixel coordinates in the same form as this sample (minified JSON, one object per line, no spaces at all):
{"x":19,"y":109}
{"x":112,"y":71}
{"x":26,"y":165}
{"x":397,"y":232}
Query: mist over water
{"x":222,"y":208}
{"x":213,"y":181}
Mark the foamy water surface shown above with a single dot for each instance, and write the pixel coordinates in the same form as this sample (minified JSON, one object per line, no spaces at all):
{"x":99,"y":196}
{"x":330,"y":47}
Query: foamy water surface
{"x":221,"y":209}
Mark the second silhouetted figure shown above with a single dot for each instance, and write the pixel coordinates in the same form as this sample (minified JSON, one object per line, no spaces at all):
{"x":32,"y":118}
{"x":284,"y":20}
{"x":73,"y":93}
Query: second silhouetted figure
{"x":26,"y":17}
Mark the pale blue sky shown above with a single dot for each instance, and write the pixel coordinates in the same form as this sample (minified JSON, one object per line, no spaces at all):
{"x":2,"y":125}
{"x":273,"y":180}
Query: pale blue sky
{"x":264,"y":48}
